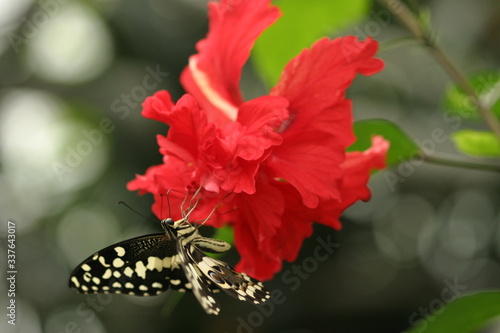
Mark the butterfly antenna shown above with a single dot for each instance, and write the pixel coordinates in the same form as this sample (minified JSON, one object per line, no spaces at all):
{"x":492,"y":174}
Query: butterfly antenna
{"x":168,"y":202}
{"x":182,"y":207}
{"x":135,"y":211}
{"x":161,"y":205}
{"x":194,"y":196}
{"x":191,"y":209}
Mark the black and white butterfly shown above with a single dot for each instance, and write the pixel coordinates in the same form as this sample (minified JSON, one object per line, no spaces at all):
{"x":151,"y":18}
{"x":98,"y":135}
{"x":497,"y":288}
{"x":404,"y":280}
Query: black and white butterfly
{"x":149,"y":265}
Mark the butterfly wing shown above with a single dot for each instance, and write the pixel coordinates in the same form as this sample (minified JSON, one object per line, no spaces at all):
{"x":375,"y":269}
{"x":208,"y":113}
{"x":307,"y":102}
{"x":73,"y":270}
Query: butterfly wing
{"x":201,"y":285}
{"x":142,"y":266}
{"x":238,"y":285}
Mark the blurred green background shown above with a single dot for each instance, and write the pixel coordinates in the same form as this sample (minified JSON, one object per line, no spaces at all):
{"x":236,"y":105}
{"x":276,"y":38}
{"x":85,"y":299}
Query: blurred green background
{"x":72,"y":77}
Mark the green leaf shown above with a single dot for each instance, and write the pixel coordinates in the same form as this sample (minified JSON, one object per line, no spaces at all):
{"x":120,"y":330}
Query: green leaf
{"x":464,"y":315}
{"x":302,"y":23}
{"x":486,"y":85}
{"x":477,"y":143}
{"x":402,"y":147}
{"x":225,"y":234}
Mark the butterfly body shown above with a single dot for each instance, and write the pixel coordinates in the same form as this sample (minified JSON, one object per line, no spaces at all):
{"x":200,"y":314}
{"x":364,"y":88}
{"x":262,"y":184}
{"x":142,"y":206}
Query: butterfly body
{"x":151,"y":264}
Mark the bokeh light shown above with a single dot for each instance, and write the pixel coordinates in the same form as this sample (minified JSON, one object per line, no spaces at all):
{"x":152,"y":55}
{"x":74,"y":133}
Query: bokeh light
{"x":71,"y":136}
{"x":71,"y":44}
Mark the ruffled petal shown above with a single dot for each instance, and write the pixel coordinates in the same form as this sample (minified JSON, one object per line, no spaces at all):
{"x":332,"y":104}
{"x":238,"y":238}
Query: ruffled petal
{"x":240,"y":147}
{"x":319,"y":128}
{"x":213,"y":74}
{"x":354,"y":186}
{"x":316,"y":80}
{"x":145,"y":183}
{"x":295,"y":227}
{"x":172,"y":185}
{"x":158,"y":106}
{"x":271,"y":235}
{"x":261,"y":118}
{"x":310,"y":160}
{"x":259,"y":218}
{"x":357,"y":168}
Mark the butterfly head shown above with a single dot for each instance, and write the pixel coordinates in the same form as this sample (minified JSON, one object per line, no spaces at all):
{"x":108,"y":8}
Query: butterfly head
{"x":177,"y":228}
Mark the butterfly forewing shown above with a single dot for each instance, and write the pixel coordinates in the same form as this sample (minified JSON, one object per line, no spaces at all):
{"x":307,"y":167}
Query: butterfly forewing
{"x":146,"y":265}
{"x":149,"y":265}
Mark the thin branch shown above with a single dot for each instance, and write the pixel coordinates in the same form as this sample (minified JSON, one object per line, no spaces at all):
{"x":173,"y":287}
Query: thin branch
{"x":468,"y":164}
{"x":416,"y":27}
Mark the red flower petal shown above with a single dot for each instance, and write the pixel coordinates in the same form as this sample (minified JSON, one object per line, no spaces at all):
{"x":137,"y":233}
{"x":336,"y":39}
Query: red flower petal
{"x":259,"y":218}
{"x":320,"y":125}
{"x":174,"y":178}
{"x":157,"y":106}
{"x":214,"y":73}
{"x":189,"y":129}
{"x":273,"y":226}
{"x":239,"y":148}
{"x":310,"y":160}
{"x":261,"y":117}
{"x":357,"y":168}
{"x":316,"y":80}
{"x":296,"y":226}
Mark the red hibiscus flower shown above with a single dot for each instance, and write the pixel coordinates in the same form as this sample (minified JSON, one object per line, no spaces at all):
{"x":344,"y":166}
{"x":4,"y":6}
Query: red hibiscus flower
{"x":278,"y":162}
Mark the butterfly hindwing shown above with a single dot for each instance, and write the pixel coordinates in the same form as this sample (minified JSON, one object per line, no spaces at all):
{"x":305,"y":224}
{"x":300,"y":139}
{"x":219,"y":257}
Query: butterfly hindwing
{"x":199,"y":282}
{"x":223,"y":276}
{"x":146,"y":265}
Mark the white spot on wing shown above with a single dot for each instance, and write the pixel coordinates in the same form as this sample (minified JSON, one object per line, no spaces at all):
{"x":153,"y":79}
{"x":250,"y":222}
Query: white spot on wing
{"x":86,"y":267}
{"x":155,"y":262}
{"x":120,"y":251}
{"x":140,"y":269}
{"x":175,"y":282}
{"x":107,"y":274}
{"x":157,"y":285}
{"x":102,"y":260}
{"x":129,"y":285}
{"x":75,"y":281}
{"x":87,"y":276}
{"x":128,"y":271}
{"x":167,"y":261}
{"x":118,"y":263}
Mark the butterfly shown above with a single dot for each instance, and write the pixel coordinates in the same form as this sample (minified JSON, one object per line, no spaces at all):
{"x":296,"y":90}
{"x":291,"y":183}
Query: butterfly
{"x":149,"y":265}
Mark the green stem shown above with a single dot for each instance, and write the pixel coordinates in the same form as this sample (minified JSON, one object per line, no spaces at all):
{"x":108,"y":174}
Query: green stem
{"x":415,"y":26}
{"x":483,"y":165}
